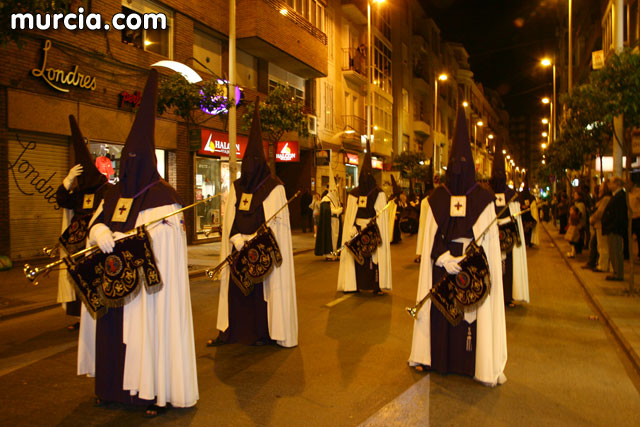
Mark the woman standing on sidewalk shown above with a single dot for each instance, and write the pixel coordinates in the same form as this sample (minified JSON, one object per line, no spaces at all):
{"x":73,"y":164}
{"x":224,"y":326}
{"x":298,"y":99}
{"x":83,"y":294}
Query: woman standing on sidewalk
{"x":596,"y":223}
{"x":580,"y":205}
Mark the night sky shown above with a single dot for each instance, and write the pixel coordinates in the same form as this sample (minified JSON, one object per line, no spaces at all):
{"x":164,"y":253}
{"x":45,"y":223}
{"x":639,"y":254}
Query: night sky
{"x":505,"y":40}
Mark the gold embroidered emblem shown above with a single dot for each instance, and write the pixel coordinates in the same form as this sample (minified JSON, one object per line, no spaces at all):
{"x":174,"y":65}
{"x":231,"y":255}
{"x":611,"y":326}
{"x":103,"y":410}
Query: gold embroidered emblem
{"x":362,"y":201}
{"x":245,"y":201}
{"x":87,"y":202}
{"x":458,"y":206}
{"x":500,"y":199}
{"x":121,"y":212}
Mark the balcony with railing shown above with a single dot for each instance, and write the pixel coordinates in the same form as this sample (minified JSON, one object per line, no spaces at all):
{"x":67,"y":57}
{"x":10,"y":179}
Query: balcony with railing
{"x":297,"y":45}
{"x":354,"y":65}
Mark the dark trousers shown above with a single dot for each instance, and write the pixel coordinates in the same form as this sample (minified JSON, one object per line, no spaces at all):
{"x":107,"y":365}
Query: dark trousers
{"x":635,"y":229}
{"x":307,"y":223}
{"x":593,"y":250}
{"x":616,"y":253}
{"x":563,"y":223}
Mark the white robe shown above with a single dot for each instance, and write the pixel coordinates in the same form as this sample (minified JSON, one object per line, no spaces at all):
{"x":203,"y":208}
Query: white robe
{"x":392,"y":218}
{"x":382,"y":256}
{"x":280,"y":286}
{"x":520,"y":290}
{"x":66,"y":291}
{"x":336,"y":209}
{"x":491,"y":336}
{"x":160,"y":358}
{"x":424,"y":209}
{"x":535,"y":236}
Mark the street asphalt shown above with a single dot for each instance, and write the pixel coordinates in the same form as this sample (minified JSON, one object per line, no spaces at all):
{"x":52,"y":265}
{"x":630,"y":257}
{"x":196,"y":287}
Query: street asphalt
{"x":566,"y":365}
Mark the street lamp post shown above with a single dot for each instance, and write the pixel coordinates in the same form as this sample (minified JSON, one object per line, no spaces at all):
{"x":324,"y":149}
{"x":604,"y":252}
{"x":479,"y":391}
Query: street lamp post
{"x":475,"y":137}
{"x":442,"y":77}
{"x":546,"y":62}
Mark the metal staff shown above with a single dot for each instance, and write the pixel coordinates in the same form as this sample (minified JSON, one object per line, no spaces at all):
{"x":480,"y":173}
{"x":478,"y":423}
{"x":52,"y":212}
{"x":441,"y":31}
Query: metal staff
{"x":413,"y":311}
{"x":213,"y":272}
{"x":341,"y":248}
{"x":32,"y":273}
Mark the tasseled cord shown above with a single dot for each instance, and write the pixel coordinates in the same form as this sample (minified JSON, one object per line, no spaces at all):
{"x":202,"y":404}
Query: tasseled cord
{"x":469,"y":345}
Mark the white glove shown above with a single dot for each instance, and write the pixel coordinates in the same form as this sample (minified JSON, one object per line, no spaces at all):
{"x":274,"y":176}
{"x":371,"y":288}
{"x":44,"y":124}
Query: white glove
{"x":237,"y":241}
{"x":75,"y":172}
{"x":101,"y":234}
{"x":449,"y":262}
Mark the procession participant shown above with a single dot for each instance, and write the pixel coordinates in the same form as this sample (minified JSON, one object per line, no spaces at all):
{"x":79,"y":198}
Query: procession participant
{"x":459,"y":212}
{"x":79,"y":195}
{"x":329,"y":221}
{"x":394,"y":213}
{"x":530,"y":217}
{"x":363,"y":203}
{"x":515,"y":275}
{"x":424,"y":208}
{"x":143,"y":353}
{"x":410,"y":215}
{"x":269,"y":312}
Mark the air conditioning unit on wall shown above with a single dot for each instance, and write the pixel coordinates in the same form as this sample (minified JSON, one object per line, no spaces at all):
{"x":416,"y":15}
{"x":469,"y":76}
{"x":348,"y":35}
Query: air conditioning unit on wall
{"x":312,"y":124}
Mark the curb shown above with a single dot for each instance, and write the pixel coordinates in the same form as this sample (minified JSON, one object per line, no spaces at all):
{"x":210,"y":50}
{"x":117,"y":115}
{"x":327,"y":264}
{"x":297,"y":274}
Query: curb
{"x":620,"y":339}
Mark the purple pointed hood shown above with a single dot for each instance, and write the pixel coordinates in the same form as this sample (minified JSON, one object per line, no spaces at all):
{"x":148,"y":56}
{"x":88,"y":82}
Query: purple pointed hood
{"x":461,"y":169}
{"x":255,"y":169}
{"x":366,"y":181}
{"x":91,"y":178}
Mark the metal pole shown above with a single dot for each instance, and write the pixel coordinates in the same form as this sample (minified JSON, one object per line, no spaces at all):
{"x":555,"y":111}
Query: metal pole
{"x":369,"y":74}
{"x":436,"y":169}
{"x":553,"y":118}
{"x":233,"y":167}
{"x":570,"y":53}
{"x":618,"y":124}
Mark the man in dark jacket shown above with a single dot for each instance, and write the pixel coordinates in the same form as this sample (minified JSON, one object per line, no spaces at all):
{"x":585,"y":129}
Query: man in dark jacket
{"x":614,"y":226}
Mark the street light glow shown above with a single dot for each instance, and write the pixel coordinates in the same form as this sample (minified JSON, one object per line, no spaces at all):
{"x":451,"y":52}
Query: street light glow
{"x":465,"y":104}
{"x":545,"y":100}
{"x":504,"y":151}
{"x":545,"y":121}
{"x":546,"y":62}
{"x":543,"y":145}
{"x":543,"y":162}
{"x":508,"y":157}
{"x":544,"y":134}
{"x":480,"y":123}
{"x":490,"y":136}
{"x":442,"y":77}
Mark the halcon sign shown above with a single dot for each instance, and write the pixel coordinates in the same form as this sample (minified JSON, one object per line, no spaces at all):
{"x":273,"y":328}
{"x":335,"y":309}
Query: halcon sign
{"x":55,"y":77}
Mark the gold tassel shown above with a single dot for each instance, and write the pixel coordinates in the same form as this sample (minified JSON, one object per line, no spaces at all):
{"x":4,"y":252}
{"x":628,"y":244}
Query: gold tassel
{"x":469,"y":346}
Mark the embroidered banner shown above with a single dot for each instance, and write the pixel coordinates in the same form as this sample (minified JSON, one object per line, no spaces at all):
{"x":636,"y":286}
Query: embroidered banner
{"x":74,"y":237}
{"x":365,"y":243}
{"x":509,"y":236}
{"x":112,"y":280}
{"x":255,"y":261}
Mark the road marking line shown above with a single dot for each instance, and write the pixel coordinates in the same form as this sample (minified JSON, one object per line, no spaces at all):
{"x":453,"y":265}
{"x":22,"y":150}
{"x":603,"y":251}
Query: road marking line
{"x":339,"y":300}
{"x":19,"y":361}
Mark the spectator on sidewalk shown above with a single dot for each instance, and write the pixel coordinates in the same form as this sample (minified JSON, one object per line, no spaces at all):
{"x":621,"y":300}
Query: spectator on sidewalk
{"x":634,"y":202}
{"x":305,"y":210}
{"x":614,"y":226}
{"x":573,"y":234}
{"x":315,"y":208}
{"x":581,"y":206}
{"x":563,"y":212}
{"x":596,"y":223}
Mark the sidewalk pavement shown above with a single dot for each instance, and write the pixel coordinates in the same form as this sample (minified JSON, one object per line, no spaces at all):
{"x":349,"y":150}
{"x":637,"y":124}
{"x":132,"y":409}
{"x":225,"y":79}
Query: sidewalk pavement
{"x":619,"y":309}
{"x":19,"y":297}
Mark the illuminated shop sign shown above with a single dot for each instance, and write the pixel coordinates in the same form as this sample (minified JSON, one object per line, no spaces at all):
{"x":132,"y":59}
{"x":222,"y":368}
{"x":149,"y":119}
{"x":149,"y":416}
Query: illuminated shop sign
{"x":376,"y":163}
{"x":214,"y":143}
{"x":351,"y":159}
{"x":287,"y":151}
{"x":56,"y":77}
{"x":130,"y":99}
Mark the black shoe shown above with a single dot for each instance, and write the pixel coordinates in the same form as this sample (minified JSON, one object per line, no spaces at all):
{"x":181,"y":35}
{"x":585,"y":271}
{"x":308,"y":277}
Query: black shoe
{"x":154,"y":410}
{"x":614,"y":279}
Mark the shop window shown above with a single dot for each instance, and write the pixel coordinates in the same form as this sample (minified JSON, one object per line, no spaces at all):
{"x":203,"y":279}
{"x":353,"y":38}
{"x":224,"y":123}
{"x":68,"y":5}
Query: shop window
{"x":108,"y":159}
{"x":159,"y":41}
